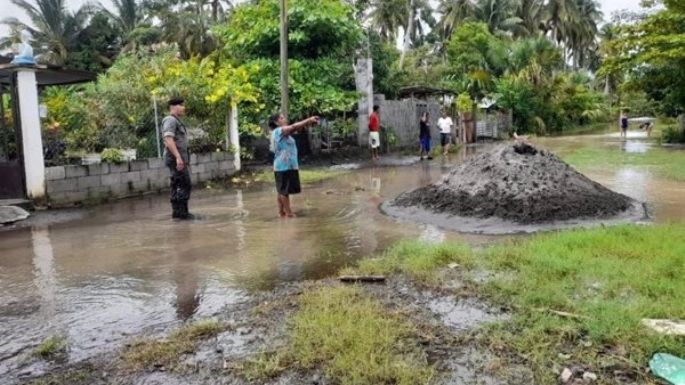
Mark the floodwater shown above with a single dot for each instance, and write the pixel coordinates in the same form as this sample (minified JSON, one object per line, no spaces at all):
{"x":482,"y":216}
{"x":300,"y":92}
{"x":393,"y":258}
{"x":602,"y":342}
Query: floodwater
{"x":123,"y":269}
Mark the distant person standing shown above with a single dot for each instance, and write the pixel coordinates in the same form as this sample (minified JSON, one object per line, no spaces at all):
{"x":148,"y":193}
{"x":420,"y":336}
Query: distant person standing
{"x":445,"y":125}
{"x":425,"y":135}
{"x":286,"y":167}
{"x":374,"y":132}
{"x":624,"y":124}
{"x":177,"y":158}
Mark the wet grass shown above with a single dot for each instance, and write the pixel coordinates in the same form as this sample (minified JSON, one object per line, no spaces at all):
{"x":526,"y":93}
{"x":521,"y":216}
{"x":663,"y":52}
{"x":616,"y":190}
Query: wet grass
{"x":576,"y":297}
{"x":71,"y":377}
{"x":419,"y":260}
{"x":352,"y":338}
{"x":609,"y":278}
{"x":148,"y":353}
{"x":664,"y":162}
{"x":51,"y":348}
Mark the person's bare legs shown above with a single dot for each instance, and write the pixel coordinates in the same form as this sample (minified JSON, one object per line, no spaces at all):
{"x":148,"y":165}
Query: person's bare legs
{"x":281,"y":209}
{"x":286,"y":206}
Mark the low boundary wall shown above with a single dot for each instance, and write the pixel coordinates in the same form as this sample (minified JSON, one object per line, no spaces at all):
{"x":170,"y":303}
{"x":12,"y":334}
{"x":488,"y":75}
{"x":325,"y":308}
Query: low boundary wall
{"x":68,"y":185}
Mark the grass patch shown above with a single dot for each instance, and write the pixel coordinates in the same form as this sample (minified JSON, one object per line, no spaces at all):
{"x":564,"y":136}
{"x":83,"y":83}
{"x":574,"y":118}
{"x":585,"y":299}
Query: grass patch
{"x":351,"y":338}
{"x":417,"y":259}
{"x":667,"y":163}
{"x":608,"y":278}
{"x":51,"y":347}
{"x":149,"y":353}
{"x":72,"y":377}
{"x":611,"y":277}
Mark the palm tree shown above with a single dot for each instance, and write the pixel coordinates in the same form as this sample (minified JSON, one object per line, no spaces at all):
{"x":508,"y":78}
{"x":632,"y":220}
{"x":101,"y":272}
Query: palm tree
{"x":531,"y":13}
{"x":127,"y":16}
{"x":583,"y":30}
{"x":387,"y":16}
{"x":499,"y":15}
{"x":419,"y":13}
{"x":452,"y":13}
{"x":189,"y":28}
{"x":56,"y":29}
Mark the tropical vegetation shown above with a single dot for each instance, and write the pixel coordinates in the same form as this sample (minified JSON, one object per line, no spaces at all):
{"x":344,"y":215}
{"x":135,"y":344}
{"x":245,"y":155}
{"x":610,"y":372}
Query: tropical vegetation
{"x":555,"y":64}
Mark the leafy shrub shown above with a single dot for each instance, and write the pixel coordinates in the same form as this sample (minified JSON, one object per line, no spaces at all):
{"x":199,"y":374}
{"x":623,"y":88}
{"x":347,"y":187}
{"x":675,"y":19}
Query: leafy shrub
{"x":54,"y":146}
{"x":112,"y":155}
{"x":672,"y":134}
{"x":203,"y":144}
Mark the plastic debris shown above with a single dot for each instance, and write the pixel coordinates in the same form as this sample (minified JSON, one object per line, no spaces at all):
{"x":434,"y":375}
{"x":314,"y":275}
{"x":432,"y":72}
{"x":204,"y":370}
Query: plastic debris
{"x":668,"y":367}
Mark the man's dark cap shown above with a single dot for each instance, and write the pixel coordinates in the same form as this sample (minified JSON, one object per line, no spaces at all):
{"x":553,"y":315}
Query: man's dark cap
{"x":175,"y":101}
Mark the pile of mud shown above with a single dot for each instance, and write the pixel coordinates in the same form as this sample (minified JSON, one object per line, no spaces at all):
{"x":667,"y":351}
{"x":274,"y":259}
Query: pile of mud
{"x":517,"y":183}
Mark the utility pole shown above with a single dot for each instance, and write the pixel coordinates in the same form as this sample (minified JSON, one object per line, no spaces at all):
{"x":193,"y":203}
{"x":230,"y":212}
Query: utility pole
{"x":284,"y":58}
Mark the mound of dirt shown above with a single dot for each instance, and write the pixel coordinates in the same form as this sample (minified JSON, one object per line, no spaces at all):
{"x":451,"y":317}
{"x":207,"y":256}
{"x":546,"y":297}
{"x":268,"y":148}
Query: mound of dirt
{"x":519,"y":183}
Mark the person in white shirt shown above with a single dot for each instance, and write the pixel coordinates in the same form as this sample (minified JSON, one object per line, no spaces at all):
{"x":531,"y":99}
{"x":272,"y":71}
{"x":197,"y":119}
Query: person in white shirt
{"x":445,"y":125}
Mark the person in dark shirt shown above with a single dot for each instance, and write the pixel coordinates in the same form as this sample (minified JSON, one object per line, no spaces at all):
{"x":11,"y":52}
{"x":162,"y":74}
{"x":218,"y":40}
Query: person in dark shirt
{"x":624,"y":124}
{"x":177,"y":158}
{"x":425,"y":135}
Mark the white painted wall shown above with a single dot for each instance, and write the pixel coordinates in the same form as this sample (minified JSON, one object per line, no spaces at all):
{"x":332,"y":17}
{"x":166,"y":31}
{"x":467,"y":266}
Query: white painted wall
{"x":34,"y":164}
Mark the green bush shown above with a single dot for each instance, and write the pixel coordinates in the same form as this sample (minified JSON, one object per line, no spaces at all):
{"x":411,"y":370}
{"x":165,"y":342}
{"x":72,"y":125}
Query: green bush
{"x":672,"y":134}
{"x":112,"y":155}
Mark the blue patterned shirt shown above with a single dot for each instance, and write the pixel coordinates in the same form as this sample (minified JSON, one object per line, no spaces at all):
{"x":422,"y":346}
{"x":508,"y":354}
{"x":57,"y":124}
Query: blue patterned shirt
{"x":285,"y":151}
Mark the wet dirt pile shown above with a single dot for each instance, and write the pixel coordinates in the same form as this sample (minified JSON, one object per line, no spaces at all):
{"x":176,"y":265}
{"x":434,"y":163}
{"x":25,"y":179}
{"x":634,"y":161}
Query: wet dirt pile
{"x":519,"y":183}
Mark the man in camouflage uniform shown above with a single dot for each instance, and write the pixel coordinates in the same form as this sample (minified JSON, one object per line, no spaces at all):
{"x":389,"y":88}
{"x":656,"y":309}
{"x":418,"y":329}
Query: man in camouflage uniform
{"x":177,"y":158}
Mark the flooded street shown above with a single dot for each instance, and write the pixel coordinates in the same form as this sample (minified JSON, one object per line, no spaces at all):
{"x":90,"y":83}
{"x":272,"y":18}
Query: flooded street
{"x":123,"y":269}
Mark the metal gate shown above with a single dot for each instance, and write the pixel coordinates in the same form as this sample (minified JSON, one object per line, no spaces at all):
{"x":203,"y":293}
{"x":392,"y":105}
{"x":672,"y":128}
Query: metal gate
{"x":11,"y":167}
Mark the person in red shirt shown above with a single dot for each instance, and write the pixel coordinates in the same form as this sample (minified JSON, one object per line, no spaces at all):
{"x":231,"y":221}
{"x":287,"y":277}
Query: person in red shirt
{"x":374,"y":132}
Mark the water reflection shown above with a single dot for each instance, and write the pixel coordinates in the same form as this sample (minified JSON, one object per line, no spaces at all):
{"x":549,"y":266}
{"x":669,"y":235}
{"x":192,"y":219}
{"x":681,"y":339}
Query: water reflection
{"x":45,"y":279}
{"x":633,"y":146}
{"x":185,"y":275}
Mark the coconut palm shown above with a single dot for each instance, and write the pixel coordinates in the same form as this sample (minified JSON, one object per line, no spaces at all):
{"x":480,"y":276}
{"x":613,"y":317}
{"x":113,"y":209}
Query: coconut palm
{"x":56,"y":29}
{"x":387,"y":16}
{"x":582,"y":31}
{"x":189,"y":28}
{"x":452,"y":13}
{"x":531,"y":13}
{"x":499,"y":15}
{"x":127,"y":16}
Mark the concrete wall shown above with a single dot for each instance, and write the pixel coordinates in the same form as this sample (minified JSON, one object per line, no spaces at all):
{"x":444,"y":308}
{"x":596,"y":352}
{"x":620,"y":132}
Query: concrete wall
{"x":76,"y":184}
{"x":404,"y":115}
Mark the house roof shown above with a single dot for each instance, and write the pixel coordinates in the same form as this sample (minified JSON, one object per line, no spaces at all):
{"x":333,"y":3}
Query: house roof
{"x":47,"y":75}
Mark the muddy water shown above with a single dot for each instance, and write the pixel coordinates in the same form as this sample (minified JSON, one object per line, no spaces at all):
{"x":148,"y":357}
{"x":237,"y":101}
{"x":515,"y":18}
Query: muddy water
{"x":125,"y":269}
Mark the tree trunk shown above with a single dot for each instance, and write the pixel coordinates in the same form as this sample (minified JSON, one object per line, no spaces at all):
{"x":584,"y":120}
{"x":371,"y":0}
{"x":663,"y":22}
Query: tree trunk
{"x":607,"y":86}
{"x":215,"y":11}
{"x":407,"y":33}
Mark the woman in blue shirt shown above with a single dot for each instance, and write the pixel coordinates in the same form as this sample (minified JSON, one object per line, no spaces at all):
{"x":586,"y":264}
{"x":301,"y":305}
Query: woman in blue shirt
{"x":285,"y":159}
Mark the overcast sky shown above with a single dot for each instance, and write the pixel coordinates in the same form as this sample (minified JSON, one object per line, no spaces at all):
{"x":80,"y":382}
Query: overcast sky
{"x":7,"y":9}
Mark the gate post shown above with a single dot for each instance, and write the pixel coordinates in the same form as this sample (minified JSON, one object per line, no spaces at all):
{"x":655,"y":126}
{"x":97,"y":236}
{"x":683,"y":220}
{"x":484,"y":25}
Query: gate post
{"x":32,"y":142}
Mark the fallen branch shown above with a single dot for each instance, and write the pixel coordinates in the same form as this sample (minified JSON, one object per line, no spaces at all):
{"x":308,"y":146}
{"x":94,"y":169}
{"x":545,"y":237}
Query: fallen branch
{"x":362,"y":278}
{"x":562,"y":313}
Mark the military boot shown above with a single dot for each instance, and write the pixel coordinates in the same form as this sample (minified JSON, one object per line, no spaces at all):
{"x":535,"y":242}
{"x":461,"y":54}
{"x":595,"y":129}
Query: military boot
{"x":183,"y":211}
{"x":175,"y":210}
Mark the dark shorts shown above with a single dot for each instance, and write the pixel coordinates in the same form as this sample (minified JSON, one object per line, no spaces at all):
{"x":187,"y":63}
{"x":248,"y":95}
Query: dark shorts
{"x":287,"y":182}
{"x":444,"y":139}
{"x":425,"y":144}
